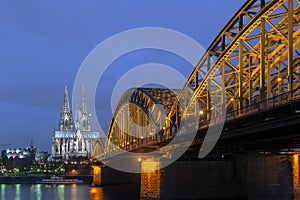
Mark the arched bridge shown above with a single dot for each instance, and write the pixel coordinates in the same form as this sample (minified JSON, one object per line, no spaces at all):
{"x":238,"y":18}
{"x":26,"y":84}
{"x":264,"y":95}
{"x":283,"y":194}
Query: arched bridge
{"x":252,"y":66}
{"x":142,"y":112}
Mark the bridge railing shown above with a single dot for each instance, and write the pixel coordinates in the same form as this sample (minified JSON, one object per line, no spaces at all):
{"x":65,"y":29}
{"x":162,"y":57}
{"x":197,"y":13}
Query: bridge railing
{"x":267,"y":104}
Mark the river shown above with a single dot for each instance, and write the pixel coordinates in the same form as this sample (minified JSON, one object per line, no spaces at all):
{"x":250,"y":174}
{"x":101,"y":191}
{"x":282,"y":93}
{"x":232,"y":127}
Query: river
{"x":66,"y":192}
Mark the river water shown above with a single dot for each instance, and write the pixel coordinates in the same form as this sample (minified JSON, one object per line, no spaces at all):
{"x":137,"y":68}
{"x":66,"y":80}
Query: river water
{"x":66,"y":192}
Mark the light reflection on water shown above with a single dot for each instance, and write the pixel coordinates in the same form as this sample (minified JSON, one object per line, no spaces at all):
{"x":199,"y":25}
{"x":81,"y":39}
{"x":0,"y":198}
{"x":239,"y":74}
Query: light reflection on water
{"x":66,"y":192}
{"x":18,"y":186}
{"x":97,"y":193}
{"x":3,"y":191}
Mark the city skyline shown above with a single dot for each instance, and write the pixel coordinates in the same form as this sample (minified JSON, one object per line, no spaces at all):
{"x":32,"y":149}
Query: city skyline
{"x":43,"y":45}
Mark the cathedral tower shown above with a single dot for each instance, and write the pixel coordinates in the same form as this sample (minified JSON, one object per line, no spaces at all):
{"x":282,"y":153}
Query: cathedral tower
{"x":82,"y":115}
{"x":66,"y":121}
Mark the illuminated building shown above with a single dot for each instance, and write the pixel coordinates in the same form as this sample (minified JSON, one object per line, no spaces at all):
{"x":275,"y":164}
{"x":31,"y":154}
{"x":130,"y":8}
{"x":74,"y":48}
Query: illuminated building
{"x":18,"y":158}
{"x":69,"y":142}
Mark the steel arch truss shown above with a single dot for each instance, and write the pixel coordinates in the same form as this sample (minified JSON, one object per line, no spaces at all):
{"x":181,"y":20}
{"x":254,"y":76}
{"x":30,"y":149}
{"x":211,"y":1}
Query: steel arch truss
{"x":139,"y":118}
{"x":254,"y":63}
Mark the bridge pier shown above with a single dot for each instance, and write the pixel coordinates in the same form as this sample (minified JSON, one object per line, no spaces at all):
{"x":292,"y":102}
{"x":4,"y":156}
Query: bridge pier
{"x":104,"y":176}
{"x":96,"y":176}
{"x":150,"y":187}
{"x":239,"y":177}
{"x":273,"y":177}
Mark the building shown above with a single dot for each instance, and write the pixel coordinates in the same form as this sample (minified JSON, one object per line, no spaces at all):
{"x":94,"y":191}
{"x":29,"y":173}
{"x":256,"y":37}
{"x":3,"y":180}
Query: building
{"x":69,"y":141}
{"x":41,"y":157}
{"x":21,"y":158}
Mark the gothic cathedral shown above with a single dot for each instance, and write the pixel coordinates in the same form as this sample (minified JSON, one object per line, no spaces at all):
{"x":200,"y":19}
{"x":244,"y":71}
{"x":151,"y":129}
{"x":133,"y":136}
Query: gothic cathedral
{"x":69,"y":142}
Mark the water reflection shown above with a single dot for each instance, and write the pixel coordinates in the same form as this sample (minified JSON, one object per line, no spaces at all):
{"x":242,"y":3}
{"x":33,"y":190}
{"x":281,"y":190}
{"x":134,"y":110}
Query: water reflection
{"x":18,"y":197}
{"x":97,"y":193}
{"x":61,"y":192}
{"x":74,"y":191}
{"x":65,"y":192}
{"x":35,"y":192}
{"x":38,"y":190}
{"x":3,"y":191}
{"x":295,"y":172}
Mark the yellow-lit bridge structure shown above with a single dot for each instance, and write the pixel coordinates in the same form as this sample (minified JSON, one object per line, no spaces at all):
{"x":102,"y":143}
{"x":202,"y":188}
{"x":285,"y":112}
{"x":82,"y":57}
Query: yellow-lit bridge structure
{"x":254,"y":63}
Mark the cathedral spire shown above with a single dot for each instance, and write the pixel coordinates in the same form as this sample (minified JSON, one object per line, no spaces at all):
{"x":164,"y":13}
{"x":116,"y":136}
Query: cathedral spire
{"x":66,"y":105}
{"x":83,"y":106}
{"x":66,"y":121}
{"x":82,"y":115}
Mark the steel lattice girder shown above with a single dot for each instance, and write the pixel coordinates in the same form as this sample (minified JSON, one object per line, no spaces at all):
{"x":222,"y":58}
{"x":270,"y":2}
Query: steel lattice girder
{"x":249,"y":71}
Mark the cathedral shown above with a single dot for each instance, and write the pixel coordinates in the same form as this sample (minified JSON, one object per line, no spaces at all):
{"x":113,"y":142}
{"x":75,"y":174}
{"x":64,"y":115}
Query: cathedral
{"x":69,"y":141}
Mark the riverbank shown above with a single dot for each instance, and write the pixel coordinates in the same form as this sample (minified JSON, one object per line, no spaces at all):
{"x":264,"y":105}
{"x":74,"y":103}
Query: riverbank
{"x":34,"y":179}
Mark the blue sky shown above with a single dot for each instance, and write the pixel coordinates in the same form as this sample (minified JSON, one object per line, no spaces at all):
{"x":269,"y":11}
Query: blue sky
{"x":43,"y":43}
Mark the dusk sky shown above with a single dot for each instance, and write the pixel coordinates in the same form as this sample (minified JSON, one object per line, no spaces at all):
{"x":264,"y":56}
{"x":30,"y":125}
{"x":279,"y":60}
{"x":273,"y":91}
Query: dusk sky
{"x":43,"y":43}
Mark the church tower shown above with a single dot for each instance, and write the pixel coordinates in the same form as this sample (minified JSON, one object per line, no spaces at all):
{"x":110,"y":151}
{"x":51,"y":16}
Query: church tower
{"x":66,"y":121}
{"x":82,"y":115}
